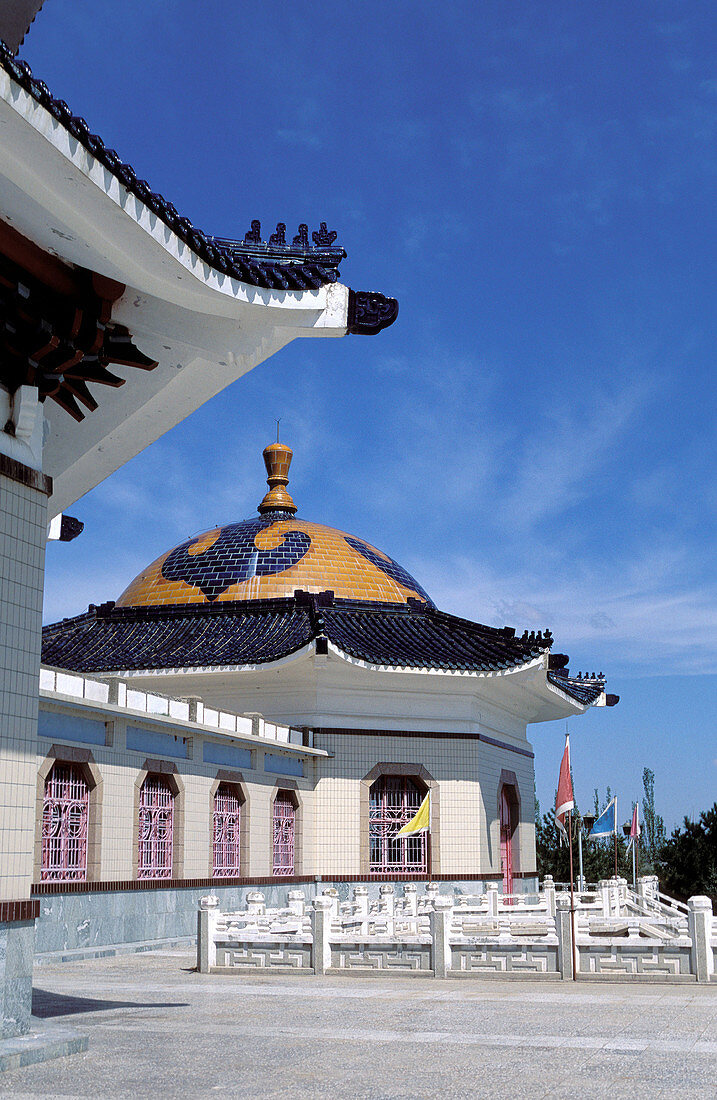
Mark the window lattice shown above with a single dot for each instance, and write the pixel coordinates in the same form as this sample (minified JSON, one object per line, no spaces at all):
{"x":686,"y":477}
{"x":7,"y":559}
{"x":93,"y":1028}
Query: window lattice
{"x":227,"y":832}
{"x":284,"y":832}
{"x":65,"y":815}
{"x":156,"y":825}
{"x":394,"y":799}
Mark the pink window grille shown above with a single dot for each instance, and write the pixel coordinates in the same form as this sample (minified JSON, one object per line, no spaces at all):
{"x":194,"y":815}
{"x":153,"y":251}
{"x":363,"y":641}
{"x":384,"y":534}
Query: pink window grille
{"x":227,"y":832}
{"x":394,"y":799}
{"x":284,"y":832}
{"x":506,"y":842}
{"x":65,"y":814}
{"x":156,"y":825}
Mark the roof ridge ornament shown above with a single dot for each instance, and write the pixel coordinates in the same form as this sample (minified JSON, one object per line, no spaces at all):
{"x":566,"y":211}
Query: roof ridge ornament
{"x":277,"y":459}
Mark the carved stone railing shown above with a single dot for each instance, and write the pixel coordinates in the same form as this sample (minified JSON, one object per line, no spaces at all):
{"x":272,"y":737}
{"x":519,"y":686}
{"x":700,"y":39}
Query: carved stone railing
{"x":617,"y":934}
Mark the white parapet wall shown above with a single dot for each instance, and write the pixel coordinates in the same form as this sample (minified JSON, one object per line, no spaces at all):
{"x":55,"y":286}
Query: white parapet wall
{"x":118,"y":693}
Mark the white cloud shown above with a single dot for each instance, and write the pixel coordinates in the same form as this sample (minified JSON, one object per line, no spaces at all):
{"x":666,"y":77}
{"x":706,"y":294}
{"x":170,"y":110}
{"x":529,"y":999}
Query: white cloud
{"x":560,"y":459}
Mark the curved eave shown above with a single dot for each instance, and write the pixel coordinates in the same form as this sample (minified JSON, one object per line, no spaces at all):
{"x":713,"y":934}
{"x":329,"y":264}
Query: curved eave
{"x":63,"y":198}
{"x":204,"y":327}
{"x":577,"y":705}
{"x":55,"y":168}
{"x":428,"y":670}
{"x":309,"y":650}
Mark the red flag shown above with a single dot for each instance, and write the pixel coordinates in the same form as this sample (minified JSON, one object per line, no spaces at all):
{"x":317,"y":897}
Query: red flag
{"x":564,"y":800}
{"x":635,"y":826}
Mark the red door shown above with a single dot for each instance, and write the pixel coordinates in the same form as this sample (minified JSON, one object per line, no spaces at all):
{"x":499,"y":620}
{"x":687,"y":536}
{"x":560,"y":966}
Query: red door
{"x":506,"y":843}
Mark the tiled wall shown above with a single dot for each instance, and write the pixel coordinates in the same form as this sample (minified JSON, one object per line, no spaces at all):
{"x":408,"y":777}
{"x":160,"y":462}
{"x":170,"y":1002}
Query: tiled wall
{"x":119,"y":768}
{"x":23,"y":512}
{"x":468,"y":773}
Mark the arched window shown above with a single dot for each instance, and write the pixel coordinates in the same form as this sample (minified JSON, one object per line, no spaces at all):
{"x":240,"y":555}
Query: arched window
{"x":508,"y":820}
{"x":284,"y":833}
{"x":156,"y":826}
{"x":65,"y":815}
{"x":227,"y":832}
{"x":393,"y":800}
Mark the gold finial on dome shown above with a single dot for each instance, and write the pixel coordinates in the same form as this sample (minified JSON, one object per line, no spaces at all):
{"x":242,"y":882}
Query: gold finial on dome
{"x":277,"y":459}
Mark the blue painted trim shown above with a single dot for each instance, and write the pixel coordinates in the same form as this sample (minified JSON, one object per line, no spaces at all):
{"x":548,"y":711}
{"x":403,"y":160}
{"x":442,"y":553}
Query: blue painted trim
{"x":214,"y":753}
{"x":57,"y":726}
{"x":140,"y":739}
{"x":283,"y":765}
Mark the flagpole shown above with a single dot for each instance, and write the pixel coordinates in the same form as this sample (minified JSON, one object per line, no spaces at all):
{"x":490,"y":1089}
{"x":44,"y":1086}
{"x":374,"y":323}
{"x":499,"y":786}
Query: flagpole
{"x":634,"y":872}
{"x":572,"y":894}
{"x":615,"y":835}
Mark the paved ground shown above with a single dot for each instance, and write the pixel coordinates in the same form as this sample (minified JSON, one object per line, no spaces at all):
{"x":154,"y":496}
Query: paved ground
{"x":159,"y":1030}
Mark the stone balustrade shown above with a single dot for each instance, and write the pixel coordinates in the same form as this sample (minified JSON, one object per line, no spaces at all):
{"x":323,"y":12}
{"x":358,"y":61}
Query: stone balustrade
{"x":618,"y":933}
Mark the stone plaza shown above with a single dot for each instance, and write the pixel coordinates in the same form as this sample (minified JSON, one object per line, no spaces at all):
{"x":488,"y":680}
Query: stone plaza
{"x":158,"y":1027}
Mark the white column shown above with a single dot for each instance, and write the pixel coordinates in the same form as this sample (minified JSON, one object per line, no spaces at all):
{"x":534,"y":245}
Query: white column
{"x":207,"y":918}
{"x":565,"y":940}
{"x":549,"y":891}
{"x":321,"y":928}
{"x":441,"y":919}
{"x":699,"y":923}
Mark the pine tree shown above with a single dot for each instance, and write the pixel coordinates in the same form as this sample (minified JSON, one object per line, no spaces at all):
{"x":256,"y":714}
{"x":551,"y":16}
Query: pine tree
{"x":653,"y":836}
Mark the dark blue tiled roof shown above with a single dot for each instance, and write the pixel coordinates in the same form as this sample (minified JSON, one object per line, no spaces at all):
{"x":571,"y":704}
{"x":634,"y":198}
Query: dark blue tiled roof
{"x":584,"y":689}
{"x":276,"y":265}
{"x":124,"y":638}
{"x":414,"y":636}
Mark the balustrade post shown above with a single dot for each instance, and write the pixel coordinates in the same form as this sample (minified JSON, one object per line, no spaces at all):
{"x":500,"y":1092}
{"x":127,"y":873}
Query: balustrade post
{"x":604,"y":892}
{"x":385,"y":891}
{"x":699,"y":924}
{"x":255,"y":903}
{"x":410,"y":894}
{"x":207,"y":918}
{"x":432,"y":889}
{"x":652,"y":887}
{"x":320,"y":931}
{"x":565,"y":939}
{"x":549,"y":891}
{"x":492,"y":895}
{"x":332,"y":893}
{"x":297,"y":904}
{"x":361,"y":902}
{"x":621,"y":891}
{"x":441,"y":919}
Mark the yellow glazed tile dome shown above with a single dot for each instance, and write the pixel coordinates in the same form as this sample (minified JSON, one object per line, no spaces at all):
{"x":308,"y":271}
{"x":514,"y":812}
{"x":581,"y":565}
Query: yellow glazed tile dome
{"x":271,"y":556}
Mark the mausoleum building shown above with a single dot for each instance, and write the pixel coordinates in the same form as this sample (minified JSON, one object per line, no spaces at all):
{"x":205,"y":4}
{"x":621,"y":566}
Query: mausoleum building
{"x":293,"y":625}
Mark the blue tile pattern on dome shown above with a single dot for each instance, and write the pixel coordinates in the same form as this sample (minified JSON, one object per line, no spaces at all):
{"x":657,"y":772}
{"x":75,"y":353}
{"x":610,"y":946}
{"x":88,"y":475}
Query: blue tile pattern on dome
{"x":235,"y":557}
{"x":388,"y":566}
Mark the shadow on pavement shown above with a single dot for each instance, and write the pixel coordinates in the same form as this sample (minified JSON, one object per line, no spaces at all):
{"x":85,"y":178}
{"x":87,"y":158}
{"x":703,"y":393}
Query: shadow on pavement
{"x":46,"y":1004}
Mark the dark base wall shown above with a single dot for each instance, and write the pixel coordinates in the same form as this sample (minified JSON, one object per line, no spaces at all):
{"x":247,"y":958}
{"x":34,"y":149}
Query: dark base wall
{"x":16,"y":955}
{"x":81,"y":921}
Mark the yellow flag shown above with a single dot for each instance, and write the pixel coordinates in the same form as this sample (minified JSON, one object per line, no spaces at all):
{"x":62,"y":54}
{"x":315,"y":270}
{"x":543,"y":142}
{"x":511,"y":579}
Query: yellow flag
{"x":421,"y":821}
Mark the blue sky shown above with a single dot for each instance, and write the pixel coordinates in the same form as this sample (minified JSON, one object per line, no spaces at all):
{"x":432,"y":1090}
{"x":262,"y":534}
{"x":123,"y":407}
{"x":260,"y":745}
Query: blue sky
{"x":534,"y":438}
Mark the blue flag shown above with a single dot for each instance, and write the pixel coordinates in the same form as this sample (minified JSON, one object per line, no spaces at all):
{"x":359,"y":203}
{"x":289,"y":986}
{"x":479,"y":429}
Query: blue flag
{"x":606,"y":824}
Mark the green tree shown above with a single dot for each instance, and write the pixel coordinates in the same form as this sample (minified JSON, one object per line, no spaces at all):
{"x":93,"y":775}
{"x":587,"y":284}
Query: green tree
{"x":687,"y":862}
{"x":652,"y":836}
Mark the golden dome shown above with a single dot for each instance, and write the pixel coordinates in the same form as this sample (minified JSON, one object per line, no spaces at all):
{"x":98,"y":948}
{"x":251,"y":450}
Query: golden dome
{"x":270,"y":557}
